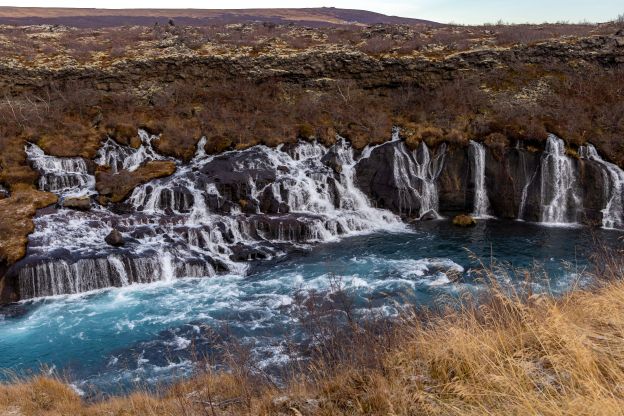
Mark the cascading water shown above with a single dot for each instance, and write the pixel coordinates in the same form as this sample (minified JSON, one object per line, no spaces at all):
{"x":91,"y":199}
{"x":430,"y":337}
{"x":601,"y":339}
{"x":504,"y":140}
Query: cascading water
{"x":429,"y":170}
{"x":63,"y":176}
{"x":481,"y":201}
{"x":528,"y":180}
{"x":209,"y":217}
{"x":559,"y":200}
{"x":119,"y":157}
{"x":415,"y":175}
{"x":613,"y":176}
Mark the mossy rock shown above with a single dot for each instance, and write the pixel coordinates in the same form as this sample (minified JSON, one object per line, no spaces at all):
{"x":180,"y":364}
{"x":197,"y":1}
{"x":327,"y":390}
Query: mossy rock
{"x":464,"y":220}
{"x":124,"y":134}
{"x":116,"y":187}
{"x":217,"y":144}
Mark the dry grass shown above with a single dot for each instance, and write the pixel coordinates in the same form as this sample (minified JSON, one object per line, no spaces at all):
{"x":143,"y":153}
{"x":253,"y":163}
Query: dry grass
{"x":511,"y":355}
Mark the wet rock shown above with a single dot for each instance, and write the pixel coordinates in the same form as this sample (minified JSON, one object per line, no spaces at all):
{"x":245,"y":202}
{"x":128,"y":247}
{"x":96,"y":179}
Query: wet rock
{"x":454,"y":179}
{"x":242,"y":252}
{"x":81,"y":204}
{"x":376,"y":178}
{"x":464,"y":220}
{"x":429,"y":216}
{"x":332,"y":161}
{"x":115,"y":239}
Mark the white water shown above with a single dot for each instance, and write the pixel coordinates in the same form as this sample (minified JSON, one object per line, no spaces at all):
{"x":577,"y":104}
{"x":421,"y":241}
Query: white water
{"x":124,"y":157}
{"x":62,"y":175}
{"x":559,"y":199}
{"x":415,"y":175}
{"x":613,"y":176}
{"x":176,"y":233}
{"x":481,"y":201}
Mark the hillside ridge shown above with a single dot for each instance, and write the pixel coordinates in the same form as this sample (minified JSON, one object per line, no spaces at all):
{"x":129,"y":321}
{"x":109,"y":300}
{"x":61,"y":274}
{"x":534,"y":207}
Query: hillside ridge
{"x":93,"y":17}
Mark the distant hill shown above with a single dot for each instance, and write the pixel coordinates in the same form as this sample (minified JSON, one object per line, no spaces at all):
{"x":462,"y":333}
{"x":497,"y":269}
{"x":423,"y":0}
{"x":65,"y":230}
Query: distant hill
{"x":325,"y":16}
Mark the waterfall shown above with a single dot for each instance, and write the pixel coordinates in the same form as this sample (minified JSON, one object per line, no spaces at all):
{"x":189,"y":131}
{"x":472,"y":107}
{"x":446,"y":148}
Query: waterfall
{"x":61,"y":175}
{"x":119,"y":157}
{"x":559,"y":200}
{"x":415,"y":174}
{"x":428,"y":171}
{"x":481,"y":201}
{"x":59,"y":276}
{"x":211,"y":216}
{"x":613,"y":212}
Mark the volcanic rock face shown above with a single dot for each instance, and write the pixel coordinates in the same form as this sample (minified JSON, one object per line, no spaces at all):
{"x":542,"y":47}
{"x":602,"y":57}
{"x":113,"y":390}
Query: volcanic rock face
{"x":217,"y":212}
{"x":546,"y":186}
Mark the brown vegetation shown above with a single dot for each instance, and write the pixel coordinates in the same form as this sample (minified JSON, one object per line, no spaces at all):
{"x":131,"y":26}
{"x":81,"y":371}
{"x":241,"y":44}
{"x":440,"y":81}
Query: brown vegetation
{"x":464,"y":220}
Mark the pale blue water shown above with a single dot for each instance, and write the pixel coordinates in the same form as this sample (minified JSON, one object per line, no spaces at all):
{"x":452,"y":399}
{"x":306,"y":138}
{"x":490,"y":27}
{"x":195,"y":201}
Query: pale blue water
{"x":110,"y":340}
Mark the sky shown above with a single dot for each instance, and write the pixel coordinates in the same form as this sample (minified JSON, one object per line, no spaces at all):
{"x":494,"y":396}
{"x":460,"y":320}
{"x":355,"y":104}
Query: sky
{"x":457,"y":11}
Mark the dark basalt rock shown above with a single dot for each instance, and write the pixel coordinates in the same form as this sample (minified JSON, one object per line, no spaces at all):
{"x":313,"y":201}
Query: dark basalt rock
{"x":375,"y":177}
{"x":508,"y":175}
{"x":429,"y":216}
{"x":115,"y":239}
{"x":592,"y":181}
{"x":242,"y":252}
{"x":232,"y":173}
{"x":454,"y":183}
{"x":332,"y":161}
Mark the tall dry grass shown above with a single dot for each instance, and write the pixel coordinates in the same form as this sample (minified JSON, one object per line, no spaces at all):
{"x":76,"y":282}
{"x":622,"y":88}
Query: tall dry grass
{"x":512,"y":353}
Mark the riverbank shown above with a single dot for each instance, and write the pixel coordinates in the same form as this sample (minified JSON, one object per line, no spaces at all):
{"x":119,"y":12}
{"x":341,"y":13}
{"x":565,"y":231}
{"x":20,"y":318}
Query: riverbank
{"x":529,"y":354}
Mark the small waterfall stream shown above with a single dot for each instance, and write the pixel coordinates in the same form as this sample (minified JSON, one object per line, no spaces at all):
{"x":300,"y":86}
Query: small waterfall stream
{"x":61,"y":175}
{"x":613,"y":176}
{"x":481,"y":201}
{"x":415,"y":175}
{"x":124,"y":157}
{"x":559,"y":189}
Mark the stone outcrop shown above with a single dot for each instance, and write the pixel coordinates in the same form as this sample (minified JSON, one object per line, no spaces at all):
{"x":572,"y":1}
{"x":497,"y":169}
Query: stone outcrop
{"x":314,"y":67}
{"x":79,"y":203}
{"x":513,"y":176}
{"x":115,"y":187}
{"x":115,"y":239}
{"x":463,"y":220}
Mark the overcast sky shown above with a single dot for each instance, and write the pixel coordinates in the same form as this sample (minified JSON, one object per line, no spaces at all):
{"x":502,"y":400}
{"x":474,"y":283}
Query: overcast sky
{"x":459,"y":11}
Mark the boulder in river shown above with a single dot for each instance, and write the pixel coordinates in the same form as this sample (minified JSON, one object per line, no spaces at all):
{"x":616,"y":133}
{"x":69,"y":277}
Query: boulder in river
{"x":429,"y":216}
{"x":115,"y":238}
{"x":464,"y":220}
